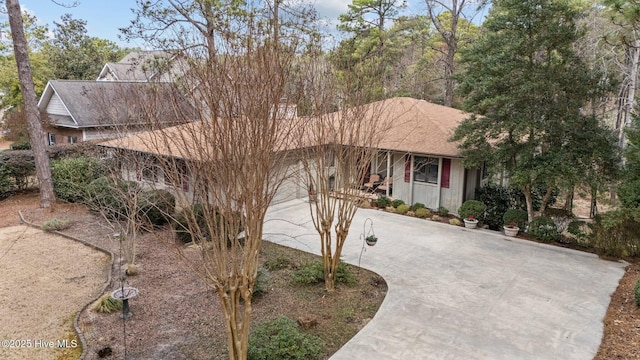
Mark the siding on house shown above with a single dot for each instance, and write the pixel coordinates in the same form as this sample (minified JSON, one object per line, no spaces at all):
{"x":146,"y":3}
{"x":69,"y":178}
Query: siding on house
{"x":56,"y":107}
{"x":432,"y":195}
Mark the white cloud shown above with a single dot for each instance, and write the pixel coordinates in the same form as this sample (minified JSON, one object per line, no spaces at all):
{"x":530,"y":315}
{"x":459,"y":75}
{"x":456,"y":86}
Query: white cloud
{"x":331,"y":9}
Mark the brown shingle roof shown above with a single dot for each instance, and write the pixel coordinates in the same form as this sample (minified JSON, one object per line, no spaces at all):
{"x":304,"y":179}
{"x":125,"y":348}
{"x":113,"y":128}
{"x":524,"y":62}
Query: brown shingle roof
{"x":418,"y":126}
{"x":415,"y":126}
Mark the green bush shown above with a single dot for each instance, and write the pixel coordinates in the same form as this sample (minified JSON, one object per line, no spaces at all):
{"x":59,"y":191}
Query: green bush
{"x":157,"y":206}
{"x":402,"y":209}
{"x":442,"y":211}
{"x":383,"y":201}
{"x":278,"y":263}
{"x":543,"y":228}
{"x":108,"y":196}
{"x":455,"y":222}
{"x":516,"y":216}
{"x":576,"y":228}
{"x":472,"y":208}
{"x":198,"y":212}
{"x":19,"y":166}
{"x":22,"y":145}
{"x":397,"y":202}
{"x":497,"y":199}
{"x":260,"y":286}
{"x":283,"y":339}
{"x":313,"y":273}
{"x":423,"y":213}
{"x":6,"y":185}
{"x":617,"y":233}
{"x":71,"y":176}
{"x":636,"y":292}
{"x":417,"y":206}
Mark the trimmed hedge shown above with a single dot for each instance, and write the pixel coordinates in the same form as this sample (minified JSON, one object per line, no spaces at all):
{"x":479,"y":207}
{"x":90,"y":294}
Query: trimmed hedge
{"x":108,"y":196}
{"x":396,"y":203}
{"x":517,"y":216}
{"x":423,"y":213}
{"x":544,"y":228}
{"x":71,"y":176}
{"x":402,"y":209}
{"x":383,"y":201}
{"x":473,"y":208}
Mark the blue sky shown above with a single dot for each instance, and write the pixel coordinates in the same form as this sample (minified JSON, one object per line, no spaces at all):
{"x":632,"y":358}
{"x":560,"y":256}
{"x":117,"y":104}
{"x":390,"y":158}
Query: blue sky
{"x":104,"y":18}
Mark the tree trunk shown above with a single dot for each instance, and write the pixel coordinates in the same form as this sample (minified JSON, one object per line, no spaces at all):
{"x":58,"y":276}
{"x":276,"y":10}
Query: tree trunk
{"x":449,"y":81}
{"x":545,"y":200}
{"x":529,"y":200}
{"x":628,"y":102}
{"x":593,"y":210}
{"x":36,"y":134}
{"x":568,"y":202}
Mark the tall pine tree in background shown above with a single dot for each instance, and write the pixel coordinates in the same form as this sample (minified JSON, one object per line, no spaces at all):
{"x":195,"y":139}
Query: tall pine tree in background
{"x":528,"y":90}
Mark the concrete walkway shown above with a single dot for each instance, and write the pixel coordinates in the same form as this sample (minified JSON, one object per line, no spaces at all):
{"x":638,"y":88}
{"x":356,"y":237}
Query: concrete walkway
{"x":456,"y":293}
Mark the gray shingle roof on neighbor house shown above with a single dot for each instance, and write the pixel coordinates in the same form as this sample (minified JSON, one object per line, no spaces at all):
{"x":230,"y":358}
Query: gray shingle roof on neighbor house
{"x":141,"y":66}
{"x":110,"y":103}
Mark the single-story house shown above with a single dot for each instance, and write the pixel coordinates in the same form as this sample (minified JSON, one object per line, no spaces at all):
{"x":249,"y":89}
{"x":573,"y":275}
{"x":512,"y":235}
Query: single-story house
{"x":415,"y":153}
{"x":76,"y":110}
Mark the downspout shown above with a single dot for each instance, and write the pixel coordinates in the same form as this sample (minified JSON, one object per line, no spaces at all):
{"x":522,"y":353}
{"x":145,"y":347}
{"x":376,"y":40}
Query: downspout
{"x":388,"y":172}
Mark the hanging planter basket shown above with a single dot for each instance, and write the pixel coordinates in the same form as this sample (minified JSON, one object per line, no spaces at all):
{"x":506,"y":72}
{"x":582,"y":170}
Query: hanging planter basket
{"x":371,"y":240}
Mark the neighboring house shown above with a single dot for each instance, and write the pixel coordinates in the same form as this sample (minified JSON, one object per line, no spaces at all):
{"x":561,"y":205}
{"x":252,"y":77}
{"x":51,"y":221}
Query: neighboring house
{"x":415,"y":153}
{"x":75,"y":111}
{"x":145,"y":66}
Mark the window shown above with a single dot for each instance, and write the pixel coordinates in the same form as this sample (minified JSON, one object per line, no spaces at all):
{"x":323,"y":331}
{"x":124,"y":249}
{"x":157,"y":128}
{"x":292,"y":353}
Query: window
{"x":425,"y":169}
{"x":178,"y":176}
{"x":147,"y":170}
{"x":52,"y":139}
{"x":150,"y":173}
{"x":72,"y":139}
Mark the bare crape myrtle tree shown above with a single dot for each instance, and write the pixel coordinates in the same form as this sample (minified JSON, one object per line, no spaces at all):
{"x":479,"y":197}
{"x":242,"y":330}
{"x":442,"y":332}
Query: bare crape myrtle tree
{"x":226,"y":160}
{"x":337,"y":143}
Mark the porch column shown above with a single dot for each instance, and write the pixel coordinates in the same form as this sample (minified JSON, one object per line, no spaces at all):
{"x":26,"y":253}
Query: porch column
{"x":411,"y":167}
{"x":439,"y":181}
{"x":388,"y":172}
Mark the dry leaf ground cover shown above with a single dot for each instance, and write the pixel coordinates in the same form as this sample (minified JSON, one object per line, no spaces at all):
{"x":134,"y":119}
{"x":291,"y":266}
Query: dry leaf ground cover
{"x":177,"y":317}
{"x":46,"y":279}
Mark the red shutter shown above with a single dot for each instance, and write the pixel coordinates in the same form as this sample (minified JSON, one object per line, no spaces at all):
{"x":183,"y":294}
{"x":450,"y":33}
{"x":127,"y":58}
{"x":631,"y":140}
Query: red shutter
{"x":446,"y":173}
{"x":407,"y":168}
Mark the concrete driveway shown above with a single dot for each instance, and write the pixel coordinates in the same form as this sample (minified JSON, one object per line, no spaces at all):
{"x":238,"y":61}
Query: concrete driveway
{"x":456,"y":293}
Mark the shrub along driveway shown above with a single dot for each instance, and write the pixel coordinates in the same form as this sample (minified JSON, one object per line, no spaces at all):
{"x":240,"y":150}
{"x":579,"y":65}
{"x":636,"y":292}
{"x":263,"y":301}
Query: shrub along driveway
{"x":456,"y":293}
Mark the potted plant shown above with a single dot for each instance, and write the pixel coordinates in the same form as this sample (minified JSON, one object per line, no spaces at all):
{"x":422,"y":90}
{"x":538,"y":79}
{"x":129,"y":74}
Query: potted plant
{"x":312,"y":194}
{"x":371,"y":240}
{"x":470,"y":222}
{"x":511,"y":229}
{"x":470,"y":212}
{"x":514,"y":220}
